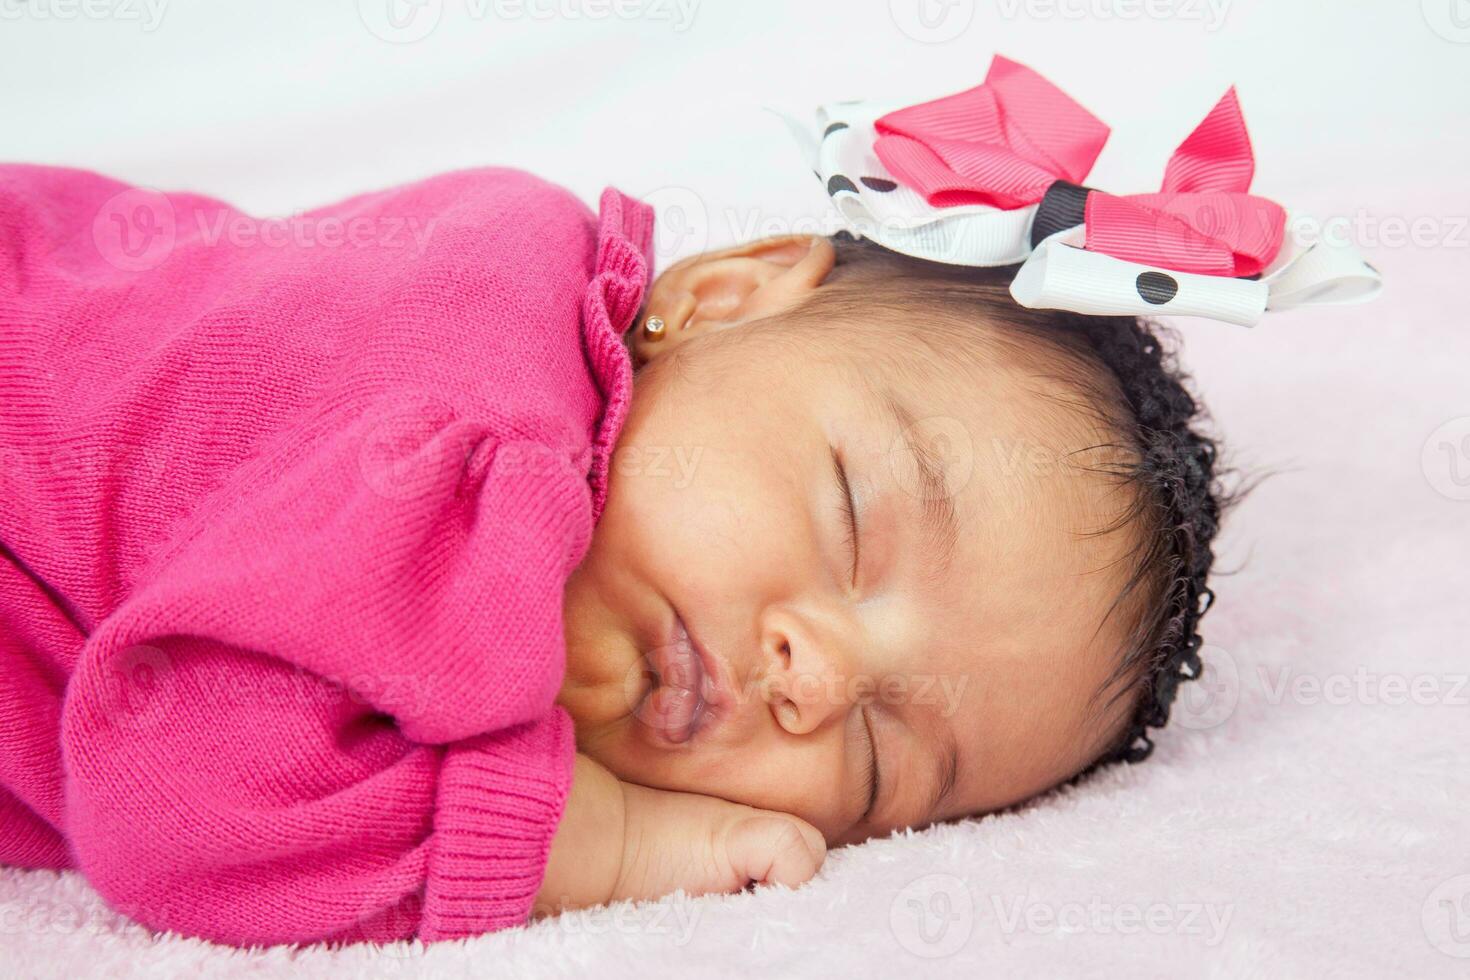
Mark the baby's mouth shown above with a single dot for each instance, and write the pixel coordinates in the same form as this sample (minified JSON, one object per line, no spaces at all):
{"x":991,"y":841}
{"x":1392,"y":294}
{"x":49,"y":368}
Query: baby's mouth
{"x":677,"y":704}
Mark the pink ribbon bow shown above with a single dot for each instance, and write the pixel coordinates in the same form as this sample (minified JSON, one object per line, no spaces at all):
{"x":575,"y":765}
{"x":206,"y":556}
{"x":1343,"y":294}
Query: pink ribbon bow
{"x":1005,"y":142}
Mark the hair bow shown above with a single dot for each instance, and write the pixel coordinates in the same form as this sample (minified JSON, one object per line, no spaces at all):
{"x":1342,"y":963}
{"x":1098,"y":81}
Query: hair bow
{"x":994,"y":176}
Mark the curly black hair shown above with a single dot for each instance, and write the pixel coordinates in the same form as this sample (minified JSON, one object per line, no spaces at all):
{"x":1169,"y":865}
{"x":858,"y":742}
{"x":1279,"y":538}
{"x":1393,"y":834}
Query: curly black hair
{"x":1119,"y":370}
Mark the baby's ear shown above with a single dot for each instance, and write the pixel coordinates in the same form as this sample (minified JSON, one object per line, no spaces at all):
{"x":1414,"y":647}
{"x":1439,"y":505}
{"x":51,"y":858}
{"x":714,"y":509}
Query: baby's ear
{"x":716,"y":290}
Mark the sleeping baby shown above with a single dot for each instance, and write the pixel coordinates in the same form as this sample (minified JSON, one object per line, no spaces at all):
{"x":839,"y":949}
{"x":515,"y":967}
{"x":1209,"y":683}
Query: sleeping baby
{"x":361,"y":586}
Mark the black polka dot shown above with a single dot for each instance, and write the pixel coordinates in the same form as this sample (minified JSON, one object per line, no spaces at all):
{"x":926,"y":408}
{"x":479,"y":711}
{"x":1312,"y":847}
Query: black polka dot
{"x":878,"y":184}
{"x":837,"y":182}
{"x":1156,"y":287}
{"x":833,"y":128}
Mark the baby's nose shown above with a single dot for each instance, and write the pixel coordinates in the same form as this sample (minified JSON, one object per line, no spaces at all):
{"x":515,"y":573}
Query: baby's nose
{"x":809,"y":678}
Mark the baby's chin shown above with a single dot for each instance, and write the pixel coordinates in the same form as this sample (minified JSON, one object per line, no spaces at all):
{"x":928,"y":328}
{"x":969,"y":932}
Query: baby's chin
{"x":618,"y":747}
{"x":612,"y":730}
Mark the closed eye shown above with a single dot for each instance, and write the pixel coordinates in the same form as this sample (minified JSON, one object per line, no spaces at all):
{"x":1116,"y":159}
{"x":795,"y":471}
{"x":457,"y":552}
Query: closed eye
{"x":849,"y":512}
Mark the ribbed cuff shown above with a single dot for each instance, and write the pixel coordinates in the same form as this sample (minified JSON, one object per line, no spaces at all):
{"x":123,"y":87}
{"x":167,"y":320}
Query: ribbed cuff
{"x":500,"y":799}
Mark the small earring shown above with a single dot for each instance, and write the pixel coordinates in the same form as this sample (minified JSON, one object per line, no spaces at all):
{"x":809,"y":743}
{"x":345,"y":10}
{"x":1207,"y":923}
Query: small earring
{"x":653,"y":328}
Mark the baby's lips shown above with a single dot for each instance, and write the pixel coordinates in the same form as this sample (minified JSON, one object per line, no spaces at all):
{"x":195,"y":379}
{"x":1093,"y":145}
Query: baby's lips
{"x":671,"y":706}
{"x":673,"y":665}
{"x":678,"y":666}
{"x":671,"y":711}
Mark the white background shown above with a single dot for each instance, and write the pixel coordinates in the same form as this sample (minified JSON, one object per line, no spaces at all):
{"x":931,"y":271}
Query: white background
{"x":282,"y":105}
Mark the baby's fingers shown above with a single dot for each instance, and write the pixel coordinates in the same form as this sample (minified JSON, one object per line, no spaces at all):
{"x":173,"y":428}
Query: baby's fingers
{"x":775,"y":849}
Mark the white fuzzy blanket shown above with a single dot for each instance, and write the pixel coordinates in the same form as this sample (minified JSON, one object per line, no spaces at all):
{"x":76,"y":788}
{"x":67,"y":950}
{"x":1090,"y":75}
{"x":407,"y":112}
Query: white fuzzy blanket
{"x":1313,"y":816}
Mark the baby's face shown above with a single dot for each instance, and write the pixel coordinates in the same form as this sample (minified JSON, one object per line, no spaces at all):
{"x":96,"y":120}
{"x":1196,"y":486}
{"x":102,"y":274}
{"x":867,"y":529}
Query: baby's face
{"x":931,"y":653}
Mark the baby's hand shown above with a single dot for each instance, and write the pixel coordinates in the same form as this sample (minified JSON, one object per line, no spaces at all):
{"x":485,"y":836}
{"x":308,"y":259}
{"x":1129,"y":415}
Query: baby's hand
{"x":703,"y":844}
{"x":622,"y":841}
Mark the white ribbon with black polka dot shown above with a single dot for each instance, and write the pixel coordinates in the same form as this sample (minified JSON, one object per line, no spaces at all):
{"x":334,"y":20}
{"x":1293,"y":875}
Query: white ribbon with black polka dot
{"x":1058,"y":273}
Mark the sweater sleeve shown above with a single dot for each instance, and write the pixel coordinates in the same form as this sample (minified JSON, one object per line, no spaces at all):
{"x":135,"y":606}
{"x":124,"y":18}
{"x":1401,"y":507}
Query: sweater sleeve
{"x":329,"y":710}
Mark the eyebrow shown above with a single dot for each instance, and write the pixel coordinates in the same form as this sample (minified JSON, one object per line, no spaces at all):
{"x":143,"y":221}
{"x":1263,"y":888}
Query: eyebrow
{"x":936,"y":498}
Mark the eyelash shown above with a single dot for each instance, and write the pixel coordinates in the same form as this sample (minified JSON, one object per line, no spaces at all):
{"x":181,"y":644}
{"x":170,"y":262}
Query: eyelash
{"x":849,"y":513}
{"x":871,"y":770}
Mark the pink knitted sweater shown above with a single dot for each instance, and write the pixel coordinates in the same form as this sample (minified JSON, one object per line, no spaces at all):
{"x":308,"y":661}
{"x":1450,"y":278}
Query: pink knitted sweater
{"x":286,"y":512}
